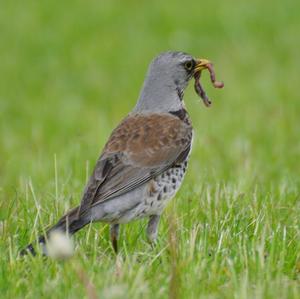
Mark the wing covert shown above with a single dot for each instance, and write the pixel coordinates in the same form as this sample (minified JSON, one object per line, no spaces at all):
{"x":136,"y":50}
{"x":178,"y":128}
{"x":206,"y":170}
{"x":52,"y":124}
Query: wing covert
{"x":140,"y":148}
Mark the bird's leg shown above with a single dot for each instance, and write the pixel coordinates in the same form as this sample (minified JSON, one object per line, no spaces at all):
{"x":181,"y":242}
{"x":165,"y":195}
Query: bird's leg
{"x":152,"y":228}
{"x":114,"y":236}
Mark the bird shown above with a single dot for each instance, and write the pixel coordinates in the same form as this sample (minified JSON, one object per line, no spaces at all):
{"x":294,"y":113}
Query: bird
{"x":145,"y":159}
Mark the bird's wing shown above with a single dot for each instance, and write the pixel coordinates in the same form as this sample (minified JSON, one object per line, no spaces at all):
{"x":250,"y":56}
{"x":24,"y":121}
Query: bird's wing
{"x":139,"y":149}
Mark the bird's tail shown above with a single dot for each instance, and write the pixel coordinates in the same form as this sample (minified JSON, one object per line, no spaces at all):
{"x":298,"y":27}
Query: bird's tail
{"x":70,"y":223}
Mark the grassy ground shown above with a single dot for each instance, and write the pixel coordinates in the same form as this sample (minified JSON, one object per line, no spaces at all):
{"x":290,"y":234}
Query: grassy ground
{"x":70,"y":70}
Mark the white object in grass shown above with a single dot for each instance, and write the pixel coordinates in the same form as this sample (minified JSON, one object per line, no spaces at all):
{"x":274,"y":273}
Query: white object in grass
{"x":59,"y":245}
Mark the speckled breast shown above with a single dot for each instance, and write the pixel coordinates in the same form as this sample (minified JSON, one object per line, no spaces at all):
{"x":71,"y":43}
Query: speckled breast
{"x":162,"y":189}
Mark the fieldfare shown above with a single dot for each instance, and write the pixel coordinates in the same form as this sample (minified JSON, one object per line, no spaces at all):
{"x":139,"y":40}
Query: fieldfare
{"x":145,"y":159}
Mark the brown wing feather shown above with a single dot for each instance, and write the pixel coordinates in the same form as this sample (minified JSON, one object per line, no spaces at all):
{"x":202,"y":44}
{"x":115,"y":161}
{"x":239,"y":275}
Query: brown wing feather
{"x":140,"y":148}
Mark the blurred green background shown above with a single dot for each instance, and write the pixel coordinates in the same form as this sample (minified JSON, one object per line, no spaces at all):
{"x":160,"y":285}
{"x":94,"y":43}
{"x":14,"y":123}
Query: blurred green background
{"x":70,"y":70}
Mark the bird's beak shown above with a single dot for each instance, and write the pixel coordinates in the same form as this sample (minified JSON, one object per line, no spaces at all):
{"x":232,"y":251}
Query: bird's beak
{"x":201,"y":64}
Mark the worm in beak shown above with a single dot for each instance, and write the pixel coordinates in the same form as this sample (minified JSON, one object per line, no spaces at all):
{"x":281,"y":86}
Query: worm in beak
{"x":201,"y":65}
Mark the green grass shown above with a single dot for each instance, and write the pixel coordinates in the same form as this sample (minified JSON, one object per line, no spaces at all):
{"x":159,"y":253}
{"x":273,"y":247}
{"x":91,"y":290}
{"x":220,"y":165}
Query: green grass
{"x":70,"y":70}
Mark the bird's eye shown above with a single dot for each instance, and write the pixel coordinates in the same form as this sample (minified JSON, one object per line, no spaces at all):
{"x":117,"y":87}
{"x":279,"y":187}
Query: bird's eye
{"x":189,"y":65}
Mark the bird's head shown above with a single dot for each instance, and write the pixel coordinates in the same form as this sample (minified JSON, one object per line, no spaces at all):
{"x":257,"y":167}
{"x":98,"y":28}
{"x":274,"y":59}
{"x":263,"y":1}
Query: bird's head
{"x":177,"y":67}
{"x":168,"y":76}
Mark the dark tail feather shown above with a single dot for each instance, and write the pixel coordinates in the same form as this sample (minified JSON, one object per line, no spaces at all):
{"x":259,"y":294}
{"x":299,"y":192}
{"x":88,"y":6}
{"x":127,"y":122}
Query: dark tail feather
{"x":70,"y":223}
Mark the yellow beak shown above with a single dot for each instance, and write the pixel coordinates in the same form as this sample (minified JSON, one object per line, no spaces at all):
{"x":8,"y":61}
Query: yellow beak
{"x":201,"y":64}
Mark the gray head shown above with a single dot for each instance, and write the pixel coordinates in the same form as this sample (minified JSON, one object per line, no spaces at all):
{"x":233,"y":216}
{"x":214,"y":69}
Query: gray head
{"x":168,"y":76}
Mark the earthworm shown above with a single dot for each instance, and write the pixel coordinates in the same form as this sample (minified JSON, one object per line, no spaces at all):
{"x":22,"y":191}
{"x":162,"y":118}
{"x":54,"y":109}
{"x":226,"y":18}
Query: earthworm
{"x":198,"y":87}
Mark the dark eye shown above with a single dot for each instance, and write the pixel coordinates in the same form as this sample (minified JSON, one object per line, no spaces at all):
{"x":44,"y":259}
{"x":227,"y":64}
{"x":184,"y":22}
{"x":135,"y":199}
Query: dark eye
{"x":188,"y":65}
